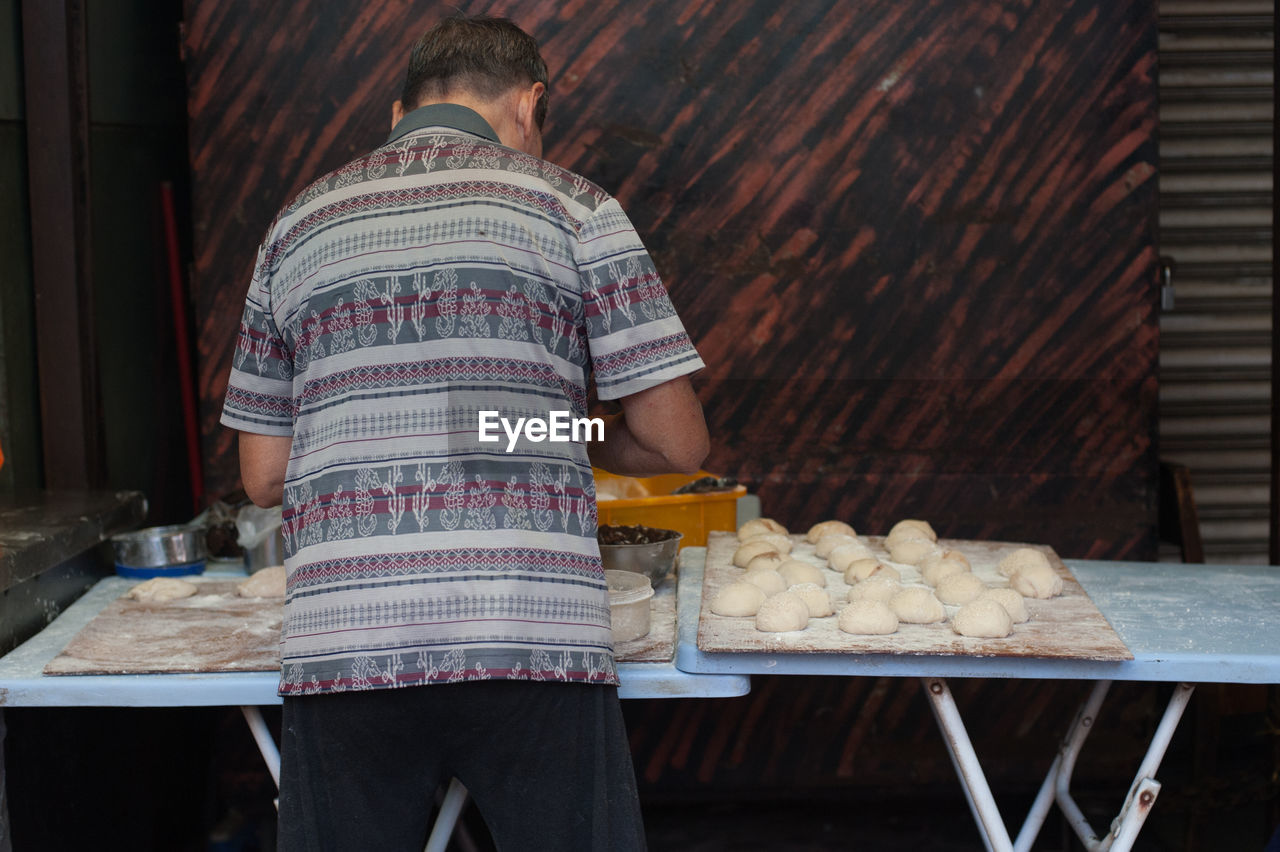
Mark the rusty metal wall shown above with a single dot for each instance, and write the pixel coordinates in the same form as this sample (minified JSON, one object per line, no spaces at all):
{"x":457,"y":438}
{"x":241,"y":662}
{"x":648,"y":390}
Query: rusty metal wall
{"x":1216,"y":125}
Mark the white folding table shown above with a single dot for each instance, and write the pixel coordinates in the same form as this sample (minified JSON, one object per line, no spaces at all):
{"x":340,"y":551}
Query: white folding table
{"x":1184,"y":624}
{"x":22,"y":684}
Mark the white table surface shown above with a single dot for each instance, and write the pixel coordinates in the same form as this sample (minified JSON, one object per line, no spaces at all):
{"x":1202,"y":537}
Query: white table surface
{"x":22,"y":683}
{"x":1189,"y":623}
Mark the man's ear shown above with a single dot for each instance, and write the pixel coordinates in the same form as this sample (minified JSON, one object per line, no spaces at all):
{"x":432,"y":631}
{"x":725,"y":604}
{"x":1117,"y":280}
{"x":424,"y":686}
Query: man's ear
{"x":397,"y":113}
{"x":526,"y":109}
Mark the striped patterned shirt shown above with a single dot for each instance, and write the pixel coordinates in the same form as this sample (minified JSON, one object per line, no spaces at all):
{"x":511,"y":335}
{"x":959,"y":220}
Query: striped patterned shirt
{"x":394,"y":300}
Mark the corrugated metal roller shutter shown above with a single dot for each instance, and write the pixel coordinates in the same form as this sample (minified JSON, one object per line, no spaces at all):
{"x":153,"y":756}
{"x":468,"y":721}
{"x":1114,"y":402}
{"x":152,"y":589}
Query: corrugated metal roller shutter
{"x":1215,"y":222}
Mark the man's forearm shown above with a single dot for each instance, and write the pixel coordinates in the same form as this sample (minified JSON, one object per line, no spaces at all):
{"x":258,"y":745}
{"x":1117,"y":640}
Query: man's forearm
{"x":622,"y":454}
{"x":660,"y":430}
{"x":264,"y":460}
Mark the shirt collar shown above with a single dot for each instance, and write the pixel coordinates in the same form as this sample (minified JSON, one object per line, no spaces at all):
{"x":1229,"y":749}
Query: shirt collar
{"x":443,"y":115}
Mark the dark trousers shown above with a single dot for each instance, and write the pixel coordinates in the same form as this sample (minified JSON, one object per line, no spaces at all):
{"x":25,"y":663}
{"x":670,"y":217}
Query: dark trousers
{"x":547,"y":764}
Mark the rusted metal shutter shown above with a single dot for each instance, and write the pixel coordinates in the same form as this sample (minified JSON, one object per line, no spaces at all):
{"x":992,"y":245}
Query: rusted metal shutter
{"x":1215,"y":222}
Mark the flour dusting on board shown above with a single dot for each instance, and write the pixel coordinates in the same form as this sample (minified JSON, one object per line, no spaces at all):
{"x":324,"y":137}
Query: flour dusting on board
{"x":215,"y":630}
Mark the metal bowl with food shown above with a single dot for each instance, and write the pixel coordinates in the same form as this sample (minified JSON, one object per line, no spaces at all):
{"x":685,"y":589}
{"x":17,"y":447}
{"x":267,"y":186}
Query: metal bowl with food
{"x":169,"y":551}
{"x":639,"y":549}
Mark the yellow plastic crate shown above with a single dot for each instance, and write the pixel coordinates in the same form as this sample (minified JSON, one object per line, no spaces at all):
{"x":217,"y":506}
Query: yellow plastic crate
{"x":649,"y":501}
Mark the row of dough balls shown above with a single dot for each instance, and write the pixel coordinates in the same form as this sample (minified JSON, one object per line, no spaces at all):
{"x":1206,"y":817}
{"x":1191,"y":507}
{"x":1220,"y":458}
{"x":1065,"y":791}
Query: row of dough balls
{"x":984,"y":612}
{"x":878,"y":601}
{"x":266,"y":583}
{"x":915,"y":543}
{"x":781,"y":593}
{"x":876,"y":607}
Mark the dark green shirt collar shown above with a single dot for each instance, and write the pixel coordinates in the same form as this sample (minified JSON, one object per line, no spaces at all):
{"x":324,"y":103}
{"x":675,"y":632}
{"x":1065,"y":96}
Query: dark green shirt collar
{"x":443,"y":115}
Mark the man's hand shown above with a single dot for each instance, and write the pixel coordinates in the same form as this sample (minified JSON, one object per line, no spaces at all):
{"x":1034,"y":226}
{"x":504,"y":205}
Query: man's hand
{"x":660,"y":430}
{"x":263,"y":461}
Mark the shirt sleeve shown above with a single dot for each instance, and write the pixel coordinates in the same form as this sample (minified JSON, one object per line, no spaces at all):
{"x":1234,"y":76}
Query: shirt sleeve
{"x":635,"y":338}
{"x":260,"y":389}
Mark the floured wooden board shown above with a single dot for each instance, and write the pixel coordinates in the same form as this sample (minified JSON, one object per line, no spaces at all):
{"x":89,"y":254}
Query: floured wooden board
{"x":660,"y":645}
{"x":1067,"y":626}
{"x":214,"y":630}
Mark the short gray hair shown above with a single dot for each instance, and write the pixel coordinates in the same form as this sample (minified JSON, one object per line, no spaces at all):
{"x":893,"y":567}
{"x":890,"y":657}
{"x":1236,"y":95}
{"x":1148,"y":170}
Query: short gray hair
{"x":480,"y":55}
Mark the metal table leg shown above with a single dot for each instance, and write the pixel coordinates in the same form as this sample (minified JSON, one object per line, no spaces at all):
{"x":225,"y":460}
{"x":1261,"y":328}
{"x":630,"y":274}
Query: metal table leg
{"x":981,"y":802}
{"x":968,"y":797}
{"x":1067,"y":753}
{"x":1056,"y":786}
{"x":262,"y":736}
{"x":450,"y":808}
{"x":1143,"y":791}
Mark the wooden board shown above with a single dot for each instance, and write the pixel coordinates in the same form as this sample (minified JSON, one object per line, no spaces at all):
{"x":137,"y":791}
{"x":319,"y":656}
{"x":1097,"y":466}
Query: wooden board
{"x":218,"y":631}
{"x":1067,"y":626}
{"x":213,"y":631}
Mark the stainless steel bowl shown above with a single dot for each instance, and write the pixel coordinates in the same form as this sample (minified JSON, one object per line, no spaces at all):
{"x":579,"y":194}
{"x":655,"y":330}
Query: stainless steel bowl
{"x":156,"y":547}
{"x":655,"y":560}
{"x":264,"y":554}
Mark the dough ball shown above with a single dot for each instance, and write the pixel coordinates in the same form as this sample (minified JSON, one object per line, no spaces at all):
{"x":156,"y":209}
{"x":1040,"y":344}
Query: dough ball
{"x":768,"y":580}
{"x":267,"y":583}
{"x":1021,"y":558}
{"x":869,"y":618}
{"x":781,"y":543}
{"x":917,"y":605}
{"x":846,"y":554}
{"x":1036,"y":581}
{"x":864,"y":569}
{"x":886,"y":571}
{"x":912,"y":551}
{"x":758,"y":526}
{"x":907,"y":534}
{"x":908,"y":529}
{"x":815,"y":598}
{"x":772,"y":559}
{"x":161,"y":589}
{"x":959,"y":589}
{"x":951,"y":555}
{"x":781,"y":612}
{"x":933,"y":559}
{"x":1013,"y":603}
{"x":825,"y":528}
{"x":828,"y":543}
{"x":934,"y":570}
{"x":795,"y":572}
{"x":985,"y":619}
{"x":738,"y":599}
{"x":750,"y":550}
{"x":875,"y":588}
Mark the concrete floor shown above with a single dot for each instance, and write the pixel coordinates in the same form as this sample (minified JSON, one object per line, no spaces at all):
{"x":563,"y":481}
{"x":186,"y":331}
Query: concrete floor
{"x":918,"y":825}
{"x":926,"y":825}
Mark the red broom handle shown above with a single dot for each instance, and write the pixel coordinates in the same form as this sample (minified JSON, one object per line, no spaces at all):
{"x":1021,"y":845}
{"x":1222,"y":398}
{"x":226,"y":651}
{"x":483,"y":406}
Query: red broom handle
{"x":186,"y":375}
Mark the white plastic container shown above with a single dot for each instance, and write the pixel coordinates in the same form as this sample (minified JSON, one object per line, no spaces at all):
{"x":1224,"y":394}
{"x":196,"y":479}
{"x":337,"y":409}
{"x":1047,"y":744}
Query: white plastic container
{"x":629,"y":595}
